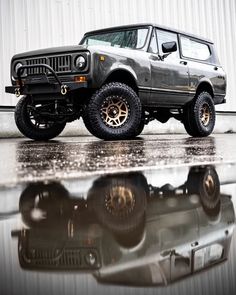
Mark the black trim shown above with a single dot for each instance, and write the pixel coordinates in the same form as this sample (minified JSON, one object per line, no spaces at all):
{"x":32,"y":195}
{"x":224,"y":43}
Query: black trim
{"x":150,"y":90}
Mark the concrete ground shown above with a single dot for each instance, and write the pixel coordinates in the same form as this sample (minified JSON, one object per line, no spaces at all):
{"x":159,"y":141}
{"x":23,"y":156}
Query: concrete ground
{"x":22,"y":160}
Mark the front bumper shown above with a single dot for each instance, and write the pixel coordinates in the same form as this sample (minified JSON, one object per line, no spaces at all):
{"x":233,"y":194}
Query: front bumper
{"x":41,"y":84}
{"x":47,"y":88}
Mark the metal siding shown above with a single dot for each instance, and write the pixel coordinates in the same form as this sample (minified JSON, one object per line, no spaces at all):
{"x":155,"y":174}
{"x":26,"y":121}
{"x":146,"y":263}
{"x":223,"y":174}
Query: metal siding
{"x":32,"y":24}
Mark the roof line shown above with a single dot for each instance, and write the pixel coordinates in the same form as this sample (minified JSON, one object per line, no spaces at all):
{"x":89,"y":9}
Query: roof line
{"x":153,"y":25}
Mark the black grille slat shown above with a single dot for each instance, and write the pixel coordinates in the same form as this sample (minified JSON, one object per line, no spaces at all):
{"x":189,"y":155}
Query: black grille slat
{"x":35,"y":71}
{"x":59,"y":64}
{"x":67,"y":257}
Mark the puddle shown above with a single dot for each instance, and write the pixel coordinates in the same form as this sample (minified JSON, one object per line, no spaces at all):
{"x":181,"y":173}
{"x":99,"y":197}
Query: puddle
{"x":164,"y":231}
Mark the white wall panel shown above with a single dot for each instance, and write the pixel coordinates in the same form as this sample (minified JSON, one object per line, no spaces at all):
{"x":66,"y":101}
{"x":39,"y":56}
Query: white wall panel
{"x":32,"y":24}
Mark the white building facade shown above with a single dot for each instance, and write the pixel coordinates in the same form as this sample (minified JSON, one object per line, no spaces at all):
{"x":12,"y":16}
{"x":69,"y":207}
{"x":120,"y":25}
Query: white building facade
{"x":32,"y":24}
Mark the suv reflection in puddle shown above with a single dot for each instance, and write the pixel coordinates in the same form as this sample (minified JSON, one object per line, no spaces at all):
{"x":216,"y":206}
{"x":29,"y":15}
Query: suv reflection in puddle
{"x":126,"y":231}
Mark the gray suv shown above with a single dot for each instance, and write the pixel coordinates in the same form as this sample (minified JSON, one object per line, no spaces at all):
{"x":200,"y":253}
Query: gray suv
{"x":119,"y":79}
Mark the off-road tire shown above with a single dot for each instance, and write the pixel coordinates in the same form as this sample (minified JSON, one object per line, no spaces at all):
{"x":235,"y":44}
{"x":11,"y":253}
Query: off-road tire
{"x":94,"y":121}
{"x":52,"y":198}
{"x":128,"y":219}
{"x":87,"y":123}
{"x":26,"y":127}
{"x":139,"y":130}
{"x":192,"y":116}
{"x":205,"y":183}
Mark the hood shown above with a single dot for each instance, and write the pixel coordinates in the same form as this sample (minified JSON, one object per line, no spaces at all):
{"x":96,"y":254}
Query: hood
{"x":50,"y":51}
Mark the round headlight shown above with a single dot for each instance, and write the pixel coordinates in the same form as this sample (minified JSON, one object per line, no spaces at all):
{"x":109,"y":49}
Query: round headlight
{"x":80,"y":62}
{"x":17,"y":66}
{"x":91,"y":258}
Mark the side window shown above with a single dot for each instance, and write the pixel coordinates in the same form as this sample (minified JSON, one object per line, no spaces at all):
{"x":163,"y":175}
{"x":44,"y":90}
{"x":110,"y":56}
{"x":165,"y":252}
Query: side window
{"x":165,"y":36}
{"x":153,"y":44}
{"x":194,"y":49}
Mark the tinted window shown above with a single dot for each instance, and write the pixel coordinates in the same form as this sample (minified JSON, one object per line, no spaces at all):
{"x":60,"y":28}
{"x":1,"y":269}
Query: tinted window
{"x":134,"y":38}
{"x":194,"y":49}
{"x":163,"y":37}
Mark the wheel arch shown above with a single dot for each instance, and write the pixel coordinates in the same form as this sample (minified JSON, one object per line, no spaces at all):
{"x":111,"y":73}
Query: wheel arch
{"x":205,"y":86}
{"x":122,"y":76}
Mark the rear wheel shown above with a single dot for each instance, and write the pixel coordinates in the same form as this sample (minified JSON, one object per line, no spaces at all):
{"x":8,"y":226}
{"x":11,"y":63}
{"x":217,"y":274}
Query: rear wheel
{"x":205,"y":183}
{"x":31,"y":124}
{"x":199,"y":116}
{"x":114,"y":112}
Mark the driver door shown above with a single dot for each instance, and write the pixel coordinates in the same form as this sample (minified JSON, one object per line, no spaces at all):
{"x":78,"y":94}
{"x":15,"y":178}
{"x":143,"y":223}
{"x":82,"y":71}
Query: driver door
{"x":170,"y":76}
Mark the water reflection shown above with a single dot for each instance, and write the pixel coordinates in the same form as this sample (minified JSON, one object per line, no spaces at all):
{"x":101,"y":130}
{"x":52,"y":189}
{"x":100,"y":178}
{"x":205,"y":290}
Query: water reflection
{"x":125,"y":230}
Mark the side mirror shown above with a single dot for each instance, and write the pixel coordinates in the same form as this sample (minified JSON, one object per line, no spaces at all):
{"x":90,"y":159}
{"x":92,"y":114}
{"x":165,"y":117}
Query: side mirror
{"x":169,"y":47}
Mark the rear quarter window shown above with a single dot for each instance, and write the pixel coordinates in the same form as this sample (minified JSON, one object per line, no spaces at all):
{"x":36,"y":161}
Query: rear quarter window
{"x":194,"y":49}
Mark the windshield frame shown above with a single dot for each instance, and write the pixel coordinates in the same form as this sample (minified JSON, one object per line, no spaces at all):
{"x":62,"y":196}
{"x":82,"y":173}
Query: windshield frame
{"x":120,"y":29}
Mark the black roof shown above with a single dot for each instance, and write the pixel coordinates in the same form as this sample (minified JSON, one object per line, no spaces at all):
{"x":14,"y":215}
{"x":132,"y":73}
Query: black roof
{"x":149,"y":24}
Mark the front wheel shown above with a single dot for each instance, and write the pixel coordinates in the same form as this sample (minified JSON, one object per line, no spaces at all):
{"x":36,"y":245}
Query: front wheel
{"x":31,"y":124}
{"x":199,"y":116}
{"x":114,"y":112}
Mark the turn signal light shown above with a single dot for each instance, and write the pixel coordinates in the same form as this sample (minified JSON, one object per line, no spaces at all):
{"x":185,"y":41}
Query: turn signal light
{"x":80,"y":79}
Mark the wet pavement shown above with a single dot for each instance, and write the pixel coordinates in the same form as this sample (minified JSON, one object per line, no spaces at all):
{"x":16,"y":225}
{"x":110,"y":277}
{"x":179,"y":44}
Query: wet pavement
{"x":23,"y":160}
{"x":150,"y":216}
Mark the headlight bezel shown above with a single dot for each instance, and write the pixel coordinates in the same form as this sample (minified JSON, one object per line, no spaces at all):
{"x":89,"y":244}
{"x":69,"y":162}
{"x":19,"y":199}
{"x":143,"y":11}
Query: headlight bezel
{"x":17,"y":65}
{"x":15,"y":68}
{"x":82,"y":60}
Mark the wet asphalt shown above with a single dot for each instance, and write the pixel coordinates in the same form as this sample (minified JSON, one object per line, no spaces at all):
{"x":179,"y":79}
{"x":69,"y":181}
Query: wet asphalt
{"x":155,"y":215}
{"x":22,"y":160}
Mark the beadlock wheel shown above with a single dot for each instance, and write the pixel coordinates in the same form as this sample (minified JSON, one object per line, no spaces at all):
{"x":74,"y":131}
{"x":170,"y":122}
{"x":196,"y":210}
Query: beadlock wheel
{"x":115,"y":111}
{"x":120,"y":201}
{"x":199,"y":115}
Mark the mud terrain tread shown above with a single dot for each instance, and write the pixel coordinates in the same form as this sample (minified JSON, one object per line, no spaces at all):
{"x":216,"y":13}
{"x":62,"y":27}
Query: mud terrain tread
{"x":191,"y":120}
{"x":27,"y":129}
{"x":94,"y":123}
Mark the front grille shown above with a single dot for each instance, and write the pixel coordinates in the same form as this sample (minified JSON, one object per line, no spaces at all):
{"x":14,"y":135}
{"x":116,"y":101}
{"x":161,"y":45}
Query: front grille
{"x":66,"y":258}
{"x":60,"y":64}
{"x":35,"y":71}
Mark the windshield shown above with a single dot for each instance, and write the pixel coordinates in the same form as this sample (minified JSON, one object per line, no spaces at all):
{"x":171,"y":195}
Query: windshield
{"x":133,"y":38}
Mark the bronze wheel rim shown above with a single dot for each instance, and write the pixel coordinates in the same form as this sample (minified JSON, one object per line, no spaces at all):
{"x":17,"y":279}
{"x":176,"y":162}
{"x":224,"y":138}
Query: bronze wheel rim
{"x":205,"y":115}
{"x":115,"y":111}
{"x":120,"y":201}
{"x":210,"y":185}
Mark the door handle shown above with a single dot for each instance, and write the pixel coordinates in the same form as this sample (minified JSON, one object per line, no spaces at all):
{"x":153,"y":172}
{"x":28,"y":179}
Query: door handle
{"x":183,"y":62}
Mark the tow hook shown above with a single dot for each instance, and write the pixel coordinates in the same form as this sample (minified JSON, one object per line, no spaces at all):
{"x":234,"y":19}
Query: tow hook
{"x":64,"y":89}
{"x":17,"y":92}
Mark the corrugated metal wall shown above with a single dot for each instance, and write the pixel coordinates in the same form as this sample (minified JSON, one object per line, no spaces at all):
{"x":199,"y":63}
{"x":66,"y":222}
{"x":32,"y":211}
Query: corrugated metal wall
{"x":32,"y":24}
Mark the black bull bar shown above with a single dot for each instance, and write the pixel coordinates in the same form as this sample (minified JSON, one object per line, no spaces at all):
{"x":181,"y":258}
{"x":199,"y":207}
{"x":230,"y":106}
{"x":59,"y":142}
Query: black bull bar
{"x":57,"y":87}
